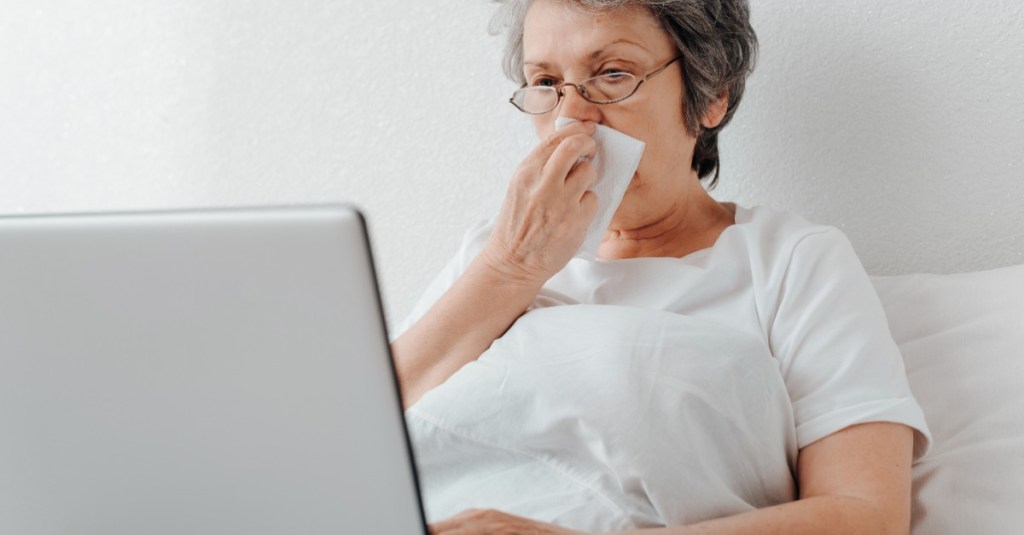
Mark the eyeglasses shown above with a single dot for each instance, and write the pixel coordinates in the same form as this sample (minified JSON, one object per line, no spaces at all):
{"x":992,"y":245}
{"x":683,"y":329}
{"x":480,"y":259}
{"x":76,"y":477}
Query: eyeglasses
{"x":603,"y":89}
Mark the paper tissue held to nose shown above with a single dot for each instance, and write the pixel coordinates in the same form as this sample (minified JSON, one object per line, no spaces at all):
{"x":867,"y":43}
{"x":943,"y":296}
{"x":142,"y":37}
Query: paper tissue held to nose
{"x":615,"y":161}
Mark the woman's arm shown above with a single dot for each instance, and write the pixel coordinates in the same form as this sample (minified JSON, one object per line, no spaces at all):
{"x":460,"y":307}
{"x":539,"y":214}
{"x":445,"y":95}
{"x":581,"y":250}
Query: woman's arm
{"x":542,"y":223}
{"x":855,"y":481}
{"x":474,"y":312}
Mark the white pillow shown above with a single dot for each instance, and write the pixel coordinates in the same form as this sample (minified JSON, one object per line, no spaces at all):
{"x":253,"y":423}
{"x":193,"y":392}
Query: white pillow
{"x":962,"y":338}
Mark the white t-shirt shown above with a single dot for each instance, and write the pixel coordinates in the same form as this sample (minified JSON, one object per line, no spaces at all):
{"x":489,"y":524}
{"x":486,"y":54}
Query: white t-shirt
{"x":664,"y":391}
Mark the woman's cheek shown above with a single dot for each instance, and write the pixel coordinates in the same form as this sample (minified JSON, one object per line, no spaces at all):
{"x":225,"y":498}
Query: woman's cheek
{"x":543,"y":125}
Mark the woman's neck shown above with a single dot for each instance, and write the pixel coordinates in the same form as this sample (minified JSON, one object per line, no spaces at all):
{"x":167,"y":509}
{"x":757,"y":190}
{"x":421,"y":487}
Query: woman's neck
{"x":687,"y":224}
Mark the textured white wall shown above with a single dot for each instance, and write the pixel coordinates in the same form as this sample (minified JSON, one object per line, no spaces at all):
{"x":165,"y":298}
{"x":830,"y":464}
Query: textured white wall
{"x":899,"y":122}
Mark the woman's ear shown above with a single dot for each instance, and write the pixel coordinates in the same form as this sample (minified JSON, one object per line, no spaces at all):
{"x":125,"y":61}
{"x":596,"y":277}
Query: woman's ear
{"x":716,"y":111}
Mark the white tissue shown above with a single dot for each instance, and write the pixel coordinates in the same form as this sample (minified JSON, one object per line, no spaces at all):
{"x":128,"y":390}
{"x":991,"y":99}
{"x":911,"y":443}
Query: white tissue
{"x":615,"y":161}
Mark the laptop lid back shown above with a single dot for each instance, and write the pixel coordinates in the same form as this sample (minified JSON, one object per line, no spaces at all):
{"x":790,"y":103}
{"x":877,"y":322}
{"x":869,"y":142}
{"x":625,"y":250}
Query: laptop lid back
{"x":198,"y":372}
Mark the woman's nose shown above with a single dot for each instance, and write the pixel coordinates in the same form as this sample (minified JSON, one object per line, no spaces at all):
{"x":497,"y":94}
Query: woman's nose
{"x":574,"y":106}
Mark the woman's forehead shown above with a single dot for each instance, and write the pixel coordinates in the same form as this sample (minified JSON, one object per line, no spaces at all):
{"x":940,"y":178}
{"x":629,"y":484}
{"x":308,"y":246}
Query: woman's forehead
{"x":556,"y":29}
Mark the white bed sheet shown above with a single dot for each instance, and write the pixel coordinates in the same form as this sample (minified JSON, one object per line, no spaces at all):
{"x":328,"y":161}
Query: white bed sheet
{"x":605,"y":417}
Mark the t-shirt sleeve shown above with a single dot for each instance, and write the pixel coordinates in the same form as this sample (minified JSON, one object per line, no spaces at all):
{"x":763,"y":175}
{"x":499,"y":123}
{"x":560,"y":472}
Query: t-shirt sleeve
{"x":838,"y":359}
{"x":472,"y":242}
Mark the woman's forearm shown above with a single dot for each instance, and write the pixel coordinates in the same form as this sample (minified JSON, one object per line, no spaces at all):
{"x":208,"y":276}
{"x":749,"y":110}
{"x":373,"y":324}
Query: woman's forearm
{"x":474,"y":312}
{"x":833,"y":515}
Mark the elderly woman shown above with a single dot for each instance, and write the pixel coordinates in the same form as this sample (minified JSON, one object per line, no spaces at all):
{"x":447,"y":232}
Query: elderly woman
{"x":717,"y":369}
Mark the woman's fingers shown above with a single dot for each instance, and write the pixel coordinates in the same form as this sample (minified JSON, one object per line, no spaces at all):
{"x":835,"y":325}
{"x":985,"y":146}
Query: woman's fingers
{"x":588,"y":205}
{"x":452,"y":523}
{"x":489,"y":521}
{"x":580,"y":179}
{"x":539,"y":157}
{"x":545,"y":215}
{"x":574,"y":151}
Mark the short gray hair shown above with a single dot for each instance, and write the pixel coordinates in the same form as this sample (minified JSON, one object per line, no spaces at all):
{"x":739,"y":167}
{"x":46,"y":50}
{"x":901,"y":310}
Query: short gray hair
{"x":714,"y":37}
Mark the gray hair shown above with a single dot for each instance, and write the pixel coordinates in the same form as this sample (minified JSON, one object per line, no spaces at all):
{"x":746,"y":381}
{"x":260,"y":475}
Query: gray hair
{"x":714,"y":37}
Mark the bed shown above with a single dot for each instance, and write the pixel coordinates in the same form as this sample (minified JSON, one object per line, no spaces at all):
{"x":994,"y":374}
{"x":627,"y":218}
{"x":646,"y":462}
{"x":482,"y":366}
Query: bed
{"x":962,"y":340}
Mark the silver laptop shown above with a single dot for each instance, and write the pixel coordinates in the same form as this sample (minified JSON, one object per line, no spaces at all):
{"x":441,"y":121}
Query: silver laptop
{"x":196,"y":372}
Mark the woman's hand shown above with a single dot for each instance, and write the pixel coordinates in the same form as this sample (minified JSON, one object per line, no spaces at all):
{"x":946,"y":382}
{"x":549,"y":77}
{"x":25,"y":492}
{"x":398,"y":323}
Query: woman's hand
{"x":491,"y":522}
{"x":541,"y":225}
{"x":547,"y":209}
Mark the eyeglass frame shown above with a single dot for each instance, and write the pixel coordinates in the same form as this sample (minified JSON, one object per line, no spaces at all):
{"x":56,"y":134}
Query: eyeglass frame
{"x":560,"y":89}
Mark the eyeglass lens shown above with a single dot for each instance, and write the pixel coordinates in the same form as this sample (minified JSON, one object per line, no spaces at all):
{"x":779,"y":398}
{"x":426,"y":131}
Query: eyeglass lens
{"x":600,"y":89}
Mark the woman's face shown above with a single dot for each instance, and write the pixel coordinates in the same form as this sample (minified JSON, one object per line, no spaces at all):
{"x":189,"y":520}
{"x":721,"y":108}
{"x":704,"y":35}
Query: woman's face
{"x":562,"y":43}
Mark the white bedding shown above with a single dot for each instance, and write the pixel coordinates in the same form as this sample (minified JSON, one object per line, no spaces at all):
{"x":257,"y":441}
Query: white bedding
{"x":962,"y":338}
{"x":605,"y":417}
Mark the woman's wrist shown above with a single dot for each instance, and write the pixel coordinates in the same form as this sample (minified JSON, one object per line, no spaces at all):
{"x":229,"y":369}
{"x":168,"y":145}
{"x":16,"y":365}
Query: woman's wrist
{"x":507,"y":272}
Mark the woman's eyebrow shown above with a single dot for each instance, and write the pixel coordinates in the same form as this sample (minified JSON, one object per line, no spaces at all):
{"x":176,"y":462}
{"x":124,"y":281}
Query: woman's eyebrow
{"x":593,"y":55}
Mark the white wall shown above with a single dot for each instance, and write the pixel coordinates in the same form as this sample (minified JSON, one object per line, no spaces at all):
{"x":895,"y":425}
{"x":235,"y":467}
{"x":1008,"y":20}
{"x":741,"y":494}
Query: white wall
{"x":900,"y":122}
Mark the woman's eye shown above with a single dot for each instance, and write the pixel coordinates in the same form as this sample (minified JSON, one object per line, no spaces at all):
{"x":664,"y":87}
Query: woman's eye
{"x":544,"y":82}
{"x":615,"y":76}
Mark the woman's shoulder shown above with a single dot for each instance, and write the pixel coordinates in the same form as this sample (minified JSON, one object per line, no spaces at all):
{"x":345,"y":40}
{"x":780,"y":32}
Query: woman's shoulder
{"x":780,"y":229}
{"x":778,"y":224}
{"x":777,"y":240}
